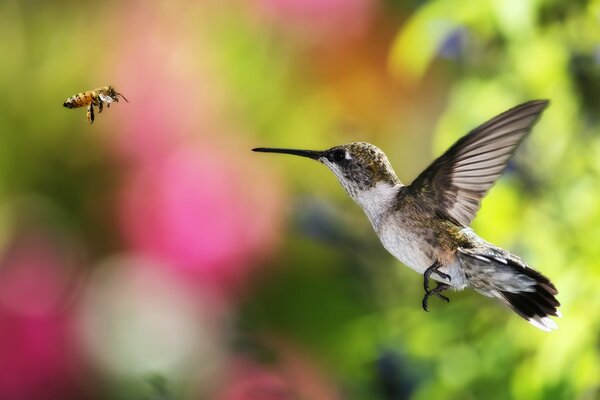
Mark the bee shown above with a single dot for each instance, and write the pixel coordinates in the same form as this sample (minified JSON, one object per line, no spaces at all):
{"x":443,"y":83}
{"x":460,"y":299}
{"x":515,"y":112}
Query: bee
{"x":97,"y":97}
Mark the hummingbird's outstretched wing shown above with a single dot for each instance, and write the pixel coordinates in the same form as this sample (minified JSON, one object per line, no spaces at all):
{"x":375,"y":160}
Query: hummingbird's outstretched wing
{"x":460,"y":178}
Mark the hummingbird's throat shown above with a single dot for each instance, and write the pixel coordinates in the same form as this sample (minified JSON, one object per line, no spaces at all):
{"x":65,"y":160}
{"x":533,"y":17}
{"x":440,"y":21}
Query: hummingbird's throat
{"x":375,"y":198}
{"x":378,"y":200}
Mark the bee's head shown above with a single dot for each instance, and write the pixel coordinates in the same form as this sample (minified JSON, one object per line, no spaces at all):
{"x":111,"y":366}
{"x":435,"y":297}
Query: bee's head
{"x":112,"y":93}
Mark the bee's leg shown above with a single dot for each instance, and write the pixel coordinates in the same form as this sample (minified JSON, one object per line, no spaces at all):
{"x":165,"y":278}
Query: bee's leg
{"x":90,"y":113}
{"x":100,"y":106}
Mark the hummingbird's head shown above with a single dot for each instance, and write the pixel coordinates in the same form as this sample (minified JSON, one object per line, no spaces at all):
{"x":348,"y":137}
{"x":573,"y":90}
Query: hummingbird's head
{"x":358,"y":166}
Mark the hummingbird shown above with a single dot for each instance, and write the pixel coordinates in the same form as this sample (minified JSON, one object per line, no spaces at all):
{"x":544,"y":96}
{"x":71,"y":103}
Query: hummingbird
{"x":425,"y":225}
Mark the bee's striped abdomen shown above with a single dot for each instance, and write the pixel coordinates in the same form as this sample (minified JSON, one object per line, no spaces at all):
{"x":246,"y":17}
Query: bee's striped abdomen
{"x":80,"y":100}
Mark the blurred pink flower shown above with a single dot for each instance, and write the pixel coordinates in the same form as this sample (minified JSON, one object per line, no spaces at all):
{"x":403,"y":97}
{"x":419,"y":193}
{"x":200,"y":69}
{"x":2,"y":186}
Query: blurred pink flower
{"x":195,"y":197}
{"x":251,"y":381}
{"x":173,"y":88}
{"x":295,"y":375}
{"x":204,"y":210}
{"x":36,"y":274}
{"x":326,"y":22}
{"x":39,"y":358}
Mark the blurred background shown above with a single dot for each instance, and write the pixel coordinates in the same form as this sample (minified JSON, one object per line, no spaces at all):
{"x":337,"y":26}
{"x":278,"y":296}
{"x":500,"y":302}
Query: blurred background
{"x":154,"y":256}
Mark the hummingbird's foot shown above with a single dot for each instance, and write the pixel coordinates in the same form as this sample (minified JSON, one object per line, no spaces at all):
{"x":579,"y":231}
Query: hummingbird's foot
{"x":435,"y":291}
{"x":427,"y":274}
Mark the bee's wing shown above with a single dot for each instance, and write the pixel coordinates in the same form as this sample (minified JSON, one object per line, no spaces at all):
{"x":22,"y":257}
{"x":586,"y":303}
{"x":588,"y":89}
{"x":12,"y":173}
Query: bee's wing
{"x":460,"y":178}
{"x":105,"y":98}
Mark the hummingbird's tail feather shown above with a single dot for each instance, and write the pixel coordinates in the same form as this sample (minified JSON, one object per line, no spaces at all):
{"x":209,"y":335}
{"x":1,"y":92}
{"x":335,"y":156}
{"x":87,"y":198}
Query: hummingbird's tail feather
{"x":495,"y":272}
{"x":532,"y":306}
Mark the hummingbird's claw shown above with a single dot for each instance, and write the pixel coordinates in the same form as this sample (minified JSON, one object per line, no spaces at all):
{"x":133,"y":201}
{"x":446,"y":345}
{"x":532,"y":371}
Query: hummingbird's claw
{"x":435,"y":291}
{"x":443,"y":275}
{"x":441,"y":296}
{"x":427,"y":274}
{"x":425,"y":302}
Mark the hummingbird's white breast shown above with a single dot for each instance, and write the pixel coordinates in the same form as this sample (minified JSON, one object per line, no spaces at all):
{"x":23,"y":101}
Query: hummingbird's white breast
{"x":398,"y":236}
{"x":415,"y":253}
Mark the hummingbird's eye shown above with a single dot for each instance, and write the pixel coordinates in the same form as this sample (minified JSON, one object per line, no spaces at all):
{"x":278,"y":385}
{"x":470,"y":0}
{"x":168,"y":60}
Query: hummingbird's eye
{"x":339,"y":156}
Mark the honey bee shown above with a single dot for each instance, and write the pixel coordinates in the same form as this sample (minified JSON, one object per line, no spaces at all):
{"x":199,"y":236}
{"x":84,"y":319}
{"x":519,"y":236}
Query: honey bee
{"x":97,"y":97}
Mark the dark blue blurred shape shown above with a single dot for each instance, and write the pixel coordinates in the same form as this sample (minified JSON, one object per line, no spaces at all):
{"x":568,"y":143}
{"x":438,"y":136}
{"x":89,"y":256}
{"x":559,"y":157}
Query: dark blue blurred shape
{"x":393,"y":377}
{"x":453,"y":46}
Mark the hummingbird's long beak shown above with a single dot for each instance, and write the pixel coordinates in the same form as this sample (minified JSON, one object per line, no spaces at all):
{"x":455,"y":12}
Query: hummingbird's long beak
{"x":315,"y":155}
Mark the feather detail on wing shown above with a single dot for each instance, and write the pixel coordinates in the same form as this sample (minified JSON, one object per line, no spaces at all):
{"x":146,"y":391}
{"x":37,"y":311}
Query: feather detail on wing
{"x":460,"y":178}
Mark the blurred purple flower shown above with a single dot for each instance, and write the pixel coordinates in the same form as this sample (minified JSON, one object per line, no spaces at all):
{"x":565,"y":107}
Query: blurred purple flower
{"x":455,"y":43}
